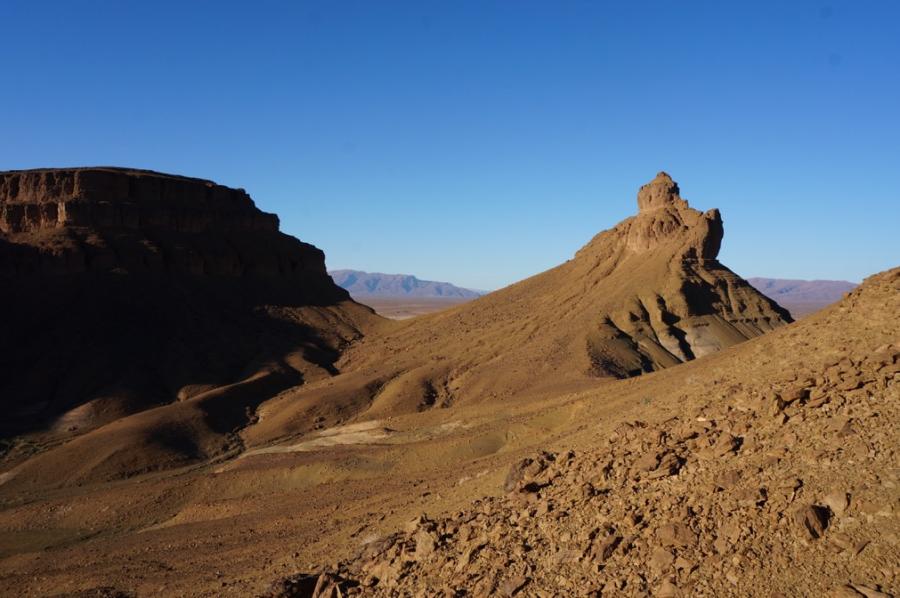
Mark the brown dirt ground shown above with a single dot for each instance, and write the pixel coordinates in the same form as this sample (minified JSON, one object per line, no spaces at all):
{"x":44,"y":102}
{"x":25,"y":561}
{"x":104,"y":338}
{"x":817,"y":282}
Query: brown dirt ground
{"x":402,"y":308}
{"x":229,"y":528}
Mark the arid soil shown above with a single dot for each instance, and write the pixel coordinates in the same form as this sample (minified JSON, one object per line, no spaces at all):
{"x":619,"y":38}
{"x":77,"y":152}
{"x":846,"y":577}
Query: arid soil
{"x":781,"y":482}
{"x":728,"y":449}
{"x":402,"y":308}
{"x":801,"y":309}
{"x":638,"y":421}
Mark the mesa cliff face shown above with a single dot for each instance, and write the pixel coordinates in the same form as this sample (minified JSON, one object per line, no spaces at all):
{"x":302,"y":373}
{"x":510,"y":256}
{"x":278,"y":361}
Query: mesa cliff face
{"x":141,"y":222}
{"x":136,"y":290}
{"x":114,"y":197}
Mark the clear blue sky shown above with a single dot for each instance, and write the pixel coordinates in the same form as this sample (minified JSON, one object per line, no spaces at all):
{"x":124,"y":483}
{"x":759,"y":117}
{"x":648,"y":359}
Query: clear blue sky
{"x":480,"y":142}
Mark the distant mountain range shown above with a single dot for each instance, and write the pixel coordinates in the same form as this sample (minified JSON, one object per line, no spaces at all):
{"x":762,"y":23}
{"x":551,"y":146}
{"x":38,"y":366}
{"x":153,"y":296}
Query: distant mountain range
{"x":801,"y":295}
{"x":802,"y":291}
{"x":377,"y":284}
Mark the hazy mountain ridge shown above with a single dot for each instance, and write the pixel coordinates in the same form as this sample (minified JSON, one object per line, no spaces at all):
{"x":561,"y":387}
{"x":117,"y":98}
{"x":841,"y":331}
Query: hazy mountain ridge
{"x":794,"y":290}
{"x":802,"y":297}
{"x":360,"y":283}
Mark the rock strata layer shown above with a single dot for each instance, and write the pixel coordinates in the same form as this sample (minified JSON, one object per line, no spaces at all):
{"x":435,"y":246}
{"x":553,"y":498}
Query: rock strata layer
{"x":131,"y":287}
{"x":134,"y":199}
{"x":133,"y":221}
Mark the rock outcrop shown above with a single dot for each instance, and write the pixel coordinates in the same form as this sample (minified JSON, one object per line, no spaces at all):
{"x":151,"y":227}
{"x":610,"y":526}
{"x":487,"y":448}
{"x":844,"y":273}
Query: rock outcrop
{"x":642,"y":296}
{"x":683,"y":303}
{"x":127,"y":290}
{"x":664,"y":215}
{"x":35,"y":200}
{"x":141,"y":222}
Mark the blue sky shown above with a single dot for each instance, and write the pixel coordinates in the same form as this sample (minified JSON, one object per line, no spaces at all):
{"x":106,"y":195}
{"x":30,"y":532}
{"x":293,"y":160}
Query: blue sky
{"x":481,"y":142}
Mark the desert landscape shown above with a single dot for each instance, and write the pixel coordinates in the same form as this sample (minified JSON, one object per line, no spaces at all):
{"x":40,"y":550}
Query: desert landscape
{"x":639,"y":420}
{"x":457,"y":300}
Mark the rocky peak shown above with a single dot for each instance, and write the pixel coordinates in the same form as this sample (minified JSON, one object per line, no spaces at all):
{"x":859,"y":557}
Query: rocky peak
{"x":665,"y":219}
{"x":661,"y":192}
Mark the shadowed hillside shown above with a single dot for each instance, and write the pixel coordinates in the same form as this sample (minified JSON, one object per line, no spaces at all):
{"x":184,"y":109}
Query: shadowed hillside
{"x":153,"y":313}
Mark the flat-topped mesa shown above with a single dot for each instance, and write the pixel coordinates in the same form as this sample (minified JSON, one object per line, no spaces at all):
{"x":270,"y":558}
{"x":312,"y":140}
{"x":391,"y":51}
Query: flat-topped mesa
{"x":160,"y":287}
{"x":33,"y":200}
{"x":665,"y":218}
{"x":103,"y":219}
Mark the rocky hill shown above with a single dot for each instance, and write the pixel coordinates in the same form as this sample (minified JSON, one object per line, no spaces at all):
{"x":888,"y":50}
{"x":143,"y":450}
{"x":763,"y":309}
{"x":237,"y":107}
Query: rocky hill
{"x":164,"y":306}
{"x":375,"y":284}
{"x":643,"y":296}
{"x":773,"y":474}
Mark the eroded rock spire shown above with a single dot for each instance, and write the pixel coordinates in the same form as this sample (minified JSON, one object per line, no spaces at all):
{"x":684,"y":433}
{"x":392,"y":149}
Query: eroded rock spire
{"x":662,"y":191}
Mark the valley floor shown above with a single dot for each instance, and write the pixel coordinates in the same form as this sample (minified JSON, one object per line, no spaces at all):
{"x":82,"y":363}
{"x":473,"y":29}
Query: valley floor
{"x":401,"y":308}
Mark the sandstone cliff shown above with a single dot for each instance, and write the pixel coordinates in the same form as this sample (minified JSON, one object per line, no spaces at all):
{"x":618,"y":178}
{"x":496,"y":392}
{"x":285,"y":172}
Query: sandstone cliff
{"x":127,"y":290}
{"x":138,"y":222}
{"x":114,"y":197}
